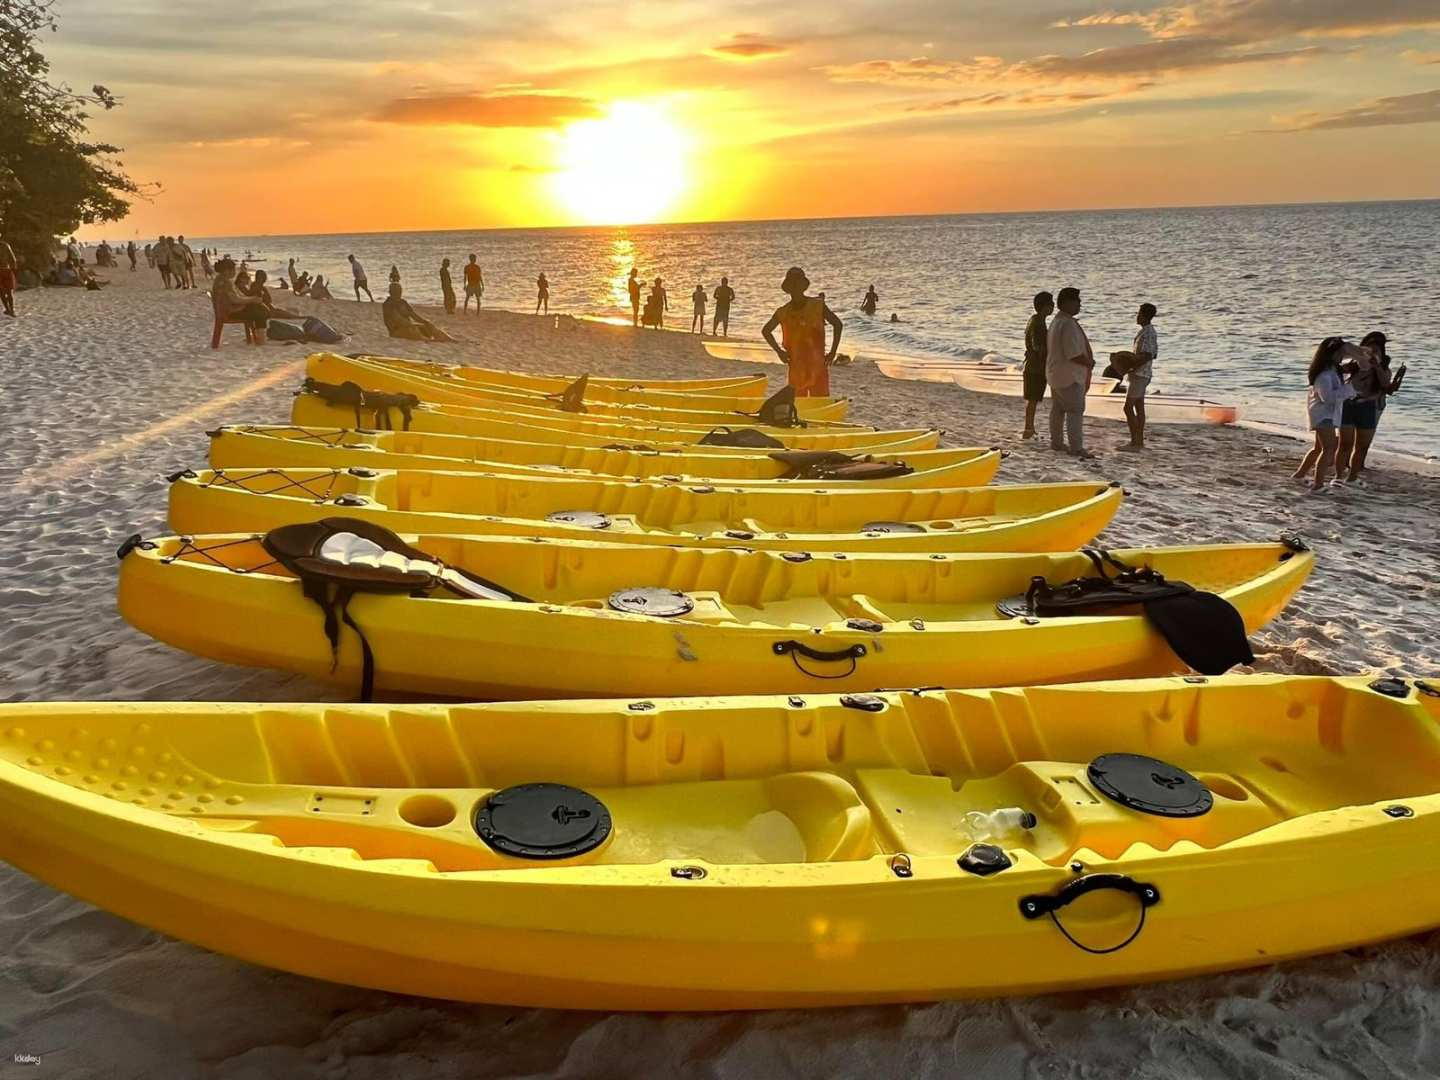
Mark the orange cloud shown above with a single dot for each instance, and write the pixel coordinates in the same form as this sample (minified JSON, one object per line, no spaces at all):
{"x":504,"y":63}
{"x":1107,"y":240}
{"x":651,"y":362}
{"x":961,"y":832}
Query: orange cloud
{"x":1267,"y":20}
{"x":748,"y":47}
{"x":489,"y":110}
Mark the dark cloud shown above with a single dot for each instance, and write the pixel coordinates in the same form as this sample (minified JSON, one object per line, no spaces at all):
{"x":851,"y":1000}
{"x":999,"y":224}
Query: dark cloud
{"x":1269,"y":20}
{"x":489,"y":110}
{"x":748,"y":47}
{"x":1421,"y":108}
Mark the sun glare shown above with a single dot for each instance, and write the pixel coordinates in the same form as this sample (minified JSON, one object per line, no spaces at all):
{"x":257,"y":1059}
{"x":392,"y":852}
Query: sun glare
{"x":625,"y":168}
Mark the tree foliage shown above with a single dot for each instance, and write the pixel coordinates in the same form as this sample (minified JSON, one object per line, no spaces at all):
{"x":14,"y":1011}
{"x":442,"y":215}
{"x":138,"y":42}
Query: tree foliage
{"x":53,"y":176}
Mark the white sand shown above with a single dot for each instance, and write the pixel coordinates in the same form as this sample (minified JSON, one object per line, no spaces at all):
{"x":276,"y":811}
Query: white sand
{"x":92,"y":383}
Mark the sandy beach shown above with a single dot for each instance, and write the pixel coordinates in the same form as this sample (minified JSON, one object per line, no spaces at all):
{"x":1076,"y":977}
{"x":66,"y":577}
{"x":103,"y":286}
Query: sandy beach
{"x":103,"y":393}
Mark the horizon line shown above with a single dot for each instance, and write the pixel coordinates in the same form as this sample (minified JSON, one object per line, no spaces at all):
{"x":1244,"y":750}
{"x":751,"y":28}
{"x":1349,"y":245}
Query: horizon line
{"x":838,"y":217}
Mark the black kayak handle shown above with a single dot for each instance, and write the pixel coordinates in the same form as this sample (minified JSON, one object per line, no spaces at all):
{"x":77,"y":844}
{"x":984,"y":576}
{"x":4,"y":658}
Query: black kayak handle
{"x":1038,"y":905}
{"x":796,"y":649}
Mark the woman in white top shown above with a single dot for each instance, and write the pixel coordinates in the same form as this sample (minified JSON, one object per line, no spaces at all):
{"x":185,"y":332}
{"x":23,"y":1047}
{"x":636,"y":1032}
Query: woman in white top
{"x":1328,"y":394}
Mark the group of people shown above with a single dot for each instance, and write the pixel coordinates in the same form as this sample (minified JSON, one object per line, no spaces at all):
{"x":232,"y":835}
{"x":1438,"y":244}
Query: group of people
{"x":177,"y":261}
{"x":302,"y":284}
{"x":1349,"y":385}
{"x":473,"y":279}
{"x":1059,"y":358}
{"x":658,"y":303}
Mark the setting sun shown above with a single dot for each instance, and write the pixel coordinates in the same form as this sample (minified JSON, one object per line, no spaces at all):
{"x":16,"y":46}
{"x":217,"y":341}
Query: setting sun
{"x":625,"y":168}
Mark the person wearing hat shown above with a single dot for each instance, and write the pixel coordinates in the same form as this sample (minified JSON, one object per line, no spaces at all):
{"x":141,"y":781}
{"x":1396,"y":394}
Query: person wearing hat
{"x":802,"y":329}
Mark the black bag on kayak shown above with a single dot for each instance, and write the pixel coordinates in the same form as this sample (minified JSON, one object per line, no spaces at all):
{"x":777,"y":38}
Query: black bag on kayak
{"x":742,"y":438}
{"x":572,"y":398}
{"x":778,"y":410}
{"x":353,"y":395}
{"x":1203,"y":630}
{"x":338,"y":557}
{"x":835,"y":465}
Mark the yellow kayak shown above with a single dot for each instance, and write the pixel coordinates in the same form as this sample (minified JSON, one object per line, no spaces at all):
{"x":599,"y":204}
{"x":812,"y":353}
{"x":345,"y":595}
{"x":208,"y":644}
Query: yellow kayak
{"x":334,"y":368}
{"x":312,"y":410}
{"x":256,"y":446}
{"x":1021,"y":517}
{"x":721,"y":394}
{"x":746,"y":853}
{"x":743,"y":385}
{"x":615,"y":620}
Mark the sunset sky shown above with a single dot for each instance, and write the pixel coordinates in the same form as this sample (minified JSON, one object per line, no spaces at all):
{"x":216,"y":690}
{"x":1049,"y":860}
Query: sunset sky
{"x":280,"y":116}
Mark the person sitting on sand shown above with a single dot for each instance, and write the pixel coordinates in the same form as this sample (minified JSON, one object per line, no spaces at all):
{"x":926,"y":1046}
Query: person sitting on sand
{"x":1145,"y":349}
{"x":1036,"y":332}
{"x":699,"y":299}
{"x":724,"y":297}
{"x":1324,"y":404}
{"x":402,"y":321}
{"x":261,"y":293}
{"x":8,"y":267}
{"x":871,"y":301}
{"x":1069,"y":361}
{"x":802,"y":328}
{"x":361,"y":282}
{"x":319,"y":290}
{"x":632,"y":286}
{"x":542,"y":294}
{"x":232,"y":304}
{"x":394,"y":274}
{"x":475,"y":286}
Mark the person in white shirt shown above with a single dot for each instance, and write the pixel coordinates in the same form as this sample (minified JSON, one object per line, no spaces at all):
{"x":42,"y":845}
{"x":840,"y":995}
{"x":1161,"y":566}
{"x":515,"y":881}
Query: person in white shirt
{"x":1146,"y":348}
{"x":360,"y":280}
{"x":1069,"y":361}
{"x":1323,"y":405}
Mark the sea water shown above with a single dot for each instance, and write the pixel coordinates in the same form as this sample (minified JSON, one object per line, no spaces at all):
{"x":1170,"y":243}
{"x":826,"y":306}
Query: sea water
{"x":1244,"y":293}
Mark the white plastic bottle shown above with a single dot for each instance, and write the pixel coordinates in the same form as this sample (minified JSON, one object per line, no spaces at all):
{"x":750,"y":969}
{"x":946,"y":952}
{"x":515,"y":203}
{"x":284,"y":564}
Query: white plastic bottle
{"x":998,"y":826}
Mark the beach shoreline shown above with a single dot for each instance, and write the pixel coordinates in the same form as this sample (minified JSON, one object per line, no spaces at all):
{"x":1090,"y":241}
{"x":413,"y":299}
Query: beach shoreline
{"x":107,"y":392}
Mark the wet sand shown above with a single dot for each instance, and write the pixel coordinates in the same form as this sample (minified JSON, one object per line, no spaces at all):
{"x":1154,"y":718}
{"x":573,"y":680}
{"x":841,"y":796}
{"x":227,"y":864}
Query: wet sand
{"x":104,"y":393}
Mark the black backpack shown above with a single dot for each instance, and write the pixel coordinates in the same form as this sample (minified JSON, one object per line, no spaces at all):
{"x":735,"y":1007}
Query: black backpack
{"x":355,"y":396}
{"x":326,"y":557}
{"x":778,"y":410}
{"x":744,"y":438}
{"x":834,"y":465}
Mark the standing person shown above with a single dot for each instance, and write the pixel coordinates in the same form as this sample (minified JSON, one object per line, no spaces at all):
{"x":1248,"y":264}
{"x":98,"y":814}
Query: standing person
{"x":162,"y":259}
{"x":542,"y":294}
{"x":292,"y":274}
{"x":447,"y":287}
{"x":1146,"y":349}
{"x":1360,"y":415}
{"x":632,"y":286}
{"x":475,"y":285}
{"x":8,"y":268}
{"x":150,"y":256}
{"x":697,"y":318}
{"x":1324,"y":403}
{"x":186,"y":264}
{"x":658,"y":303}
{"x":724,"y":294}
{"x":1069,"y":361}
{"x":205,"y":266}
{"x":73,"y":254}
{"x":361,"y":282}
{"x":130,"y":253}
{"x":871,"y":301}
{"x":802,"y":327}
{"x":1036,"y":350}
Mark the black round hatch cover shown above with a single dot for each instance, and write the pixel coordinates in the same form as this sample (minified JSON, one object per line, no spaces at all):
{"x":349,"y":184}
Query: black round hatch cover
{"x":543,"y":821}
{"x":1150,"y":785}
{"x":892,"y":527}
{"x":585,"y":519}
{"x":666,"y":603}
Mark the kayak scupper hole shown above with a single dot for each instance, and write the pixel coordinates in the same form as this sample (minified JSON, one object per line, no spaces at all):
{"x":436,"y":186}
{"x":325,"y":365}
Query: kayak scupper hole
{"x":1226,"y":788}
{"x":427,"y":811}
{"x":1274,"y":763}
{"x":942,"y":524}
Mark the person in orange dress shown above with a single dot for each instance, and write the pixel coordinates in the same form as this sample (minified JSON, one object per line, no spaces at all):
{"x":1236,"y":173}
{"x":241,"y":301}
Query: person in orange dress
{"x":802,"y":328}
